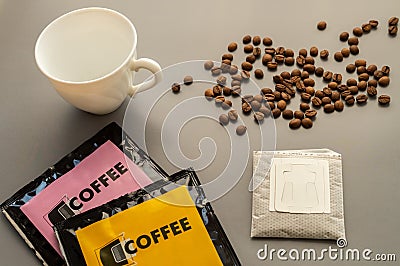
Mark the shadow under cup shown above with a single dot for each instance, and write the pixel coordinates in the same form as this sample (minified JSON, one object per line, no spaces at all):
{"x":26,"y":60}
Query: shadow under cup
{"x":85,"y":45}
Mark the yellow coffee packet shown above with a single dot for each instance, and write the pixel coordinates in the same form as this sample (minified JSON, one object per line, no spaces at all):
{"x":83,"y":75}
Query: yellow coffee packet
{"x":166,"y":230}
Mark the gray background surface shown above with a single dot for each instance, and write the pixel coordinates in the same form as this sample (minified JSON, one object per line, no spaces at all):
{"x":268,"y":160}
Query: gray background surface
{"x":38,"y":127}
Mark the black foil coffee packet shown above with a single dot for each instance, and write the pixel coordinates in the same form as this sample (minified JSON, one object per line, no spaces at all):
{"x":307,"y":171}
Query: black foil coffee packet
{"x":66,"y":230}
{"x":110,"y":138}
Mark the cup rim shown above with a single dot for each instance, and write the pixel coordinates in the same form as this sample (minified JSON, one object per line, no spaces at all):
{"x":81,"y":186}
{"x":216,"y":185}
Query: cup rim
{"x":86,"y":9}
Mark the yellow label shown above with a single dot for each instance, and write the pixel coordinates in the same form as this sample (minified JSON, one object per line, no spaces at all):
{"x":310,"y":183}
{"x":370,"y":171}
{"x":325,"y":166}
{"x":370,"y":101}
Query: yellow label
{"x":151,"y":233}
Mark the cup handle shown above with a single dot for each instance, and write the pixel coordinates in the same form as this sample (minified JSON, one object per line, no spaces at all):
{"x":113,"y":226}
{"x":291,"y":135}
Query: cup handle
{"x":150,"y":65}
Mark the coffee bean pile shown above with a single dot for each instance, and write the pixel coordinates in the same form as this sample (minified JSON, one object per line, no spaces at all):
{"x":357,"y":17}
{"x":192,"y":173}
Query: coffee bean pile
{"x":274,"y":102}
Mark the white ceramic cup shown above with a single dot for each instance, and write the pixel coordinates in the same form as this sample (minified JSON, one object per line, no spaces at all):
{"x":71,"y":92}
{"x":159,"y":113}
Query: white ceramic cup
{"x":89,"y":56}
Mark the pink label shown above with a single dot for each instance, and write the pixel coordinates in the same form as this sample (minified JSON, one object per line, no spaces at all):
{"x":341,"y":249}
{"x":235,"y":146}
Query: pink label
{"x":102,"y":176}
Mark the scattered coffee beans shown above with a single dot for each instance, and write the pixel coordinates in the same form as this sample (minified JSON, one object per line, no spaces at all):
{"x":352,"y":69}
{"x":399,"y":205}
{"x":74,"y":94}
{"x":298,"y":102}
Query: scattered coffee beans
{"x":321,"y":25}
{"x":339,"y":106}
{"x":357,"y":31}
{"x":247,"y":66}
{"x":384,"y":81}
{"x":251,"y":58}
{"x":246,"y":39}
{"x":350,"y":68}
{"x":258,"y":73}
{"x":353,"y":41}
{"x":354,"y":50}
{"x":393,"y":21}
{"x":276,"y":113}
{"x":175,"y":87}
{"x":233,"y":115}
{"x":366,"y":27}
{"x":361,"y":98}
{"x":307,"y":123}
{"x":241,"y":130}
{"x":372,"y":91}
{"x":256,"y":40}
{"x":208,"y":64}
{"x":338,"y":56}
{"x":298,"y":114}
{"x":345,"y":52}
{"x":304,"y":107}
{"x":314,"y":51}
{"x":344,"y":36}
{"x":295,"y":123}
{"x":246,"y":108}
{"x":188,"y":80}
{"x":248,"y":48}
{"x":310,"y":113}
{"x":267,"y":41}
{"x":384,"y":99}
{"x":329,"y":108}
{"x":209,"y":94}
{"x":324,"y":54}
{"x":374,"y":23}
{"x":349,"y":99}
{"x":287,"y":114}
{"x":224,"y":119}
{"x":232,"y":47}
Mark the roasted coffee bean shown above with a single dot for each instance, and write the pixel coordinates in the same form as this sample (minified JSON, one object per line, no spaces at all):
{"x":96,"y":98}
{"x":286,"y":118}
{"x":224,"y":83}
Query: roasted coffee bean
{"x":305,"y":97}
{"x":281,"y":105}
{"x":287,"y":114}
{"x":304,"y":106}
{"x":246,"y":39}
{"x":350,"y":68}
{"x":255,"y":105}
{"x":300,"y":86}
{"x":266,"y":58}
{"x":384,"y":99}
{"x":361,"y":98}
{"x":300,"y":61}
{"x":384,"y":81}
{"x":307,"y":123}
{"x":248,"y":48}
{"x":344,"y":36}
{"x":357,"y":31}
{"x":339,"y":105}
{"x":332,"y":85}
{"x":327,"y":92}
{"x":247,"y":66}
{"x":371,"y":69}
{"x":354,"y":50}
{"x":360,"y":62}
{"x":310,"y":90}
{"x":303,"y":52}
{"x":236,"y":90}
{"x":310,"y":113}
{"x":223,"y":119}
{"x":393,"y":21}
{"x":335,"y":96}
{"x":208,"y":64}
{"x":272,"y":65}
{"x":285,"y":75}
{"x":217,"y":90}
{"x":270,"y":51}
{"x":259,"y":98}
{"x":353,"y":90}
{"x":257,"y":52}
{"x":329,"y":108}
{"x":256,"y":40}
{"x":371,"y":91}
{"x":269,"y":97}
{"x":392,"y":30}
{"x":221,"y":80}
{"x":349,"y":100}
{"x":362,"y":85}
{"x":320,"y":94}
{"x":277,"y":95}
{"x":276,"y":113}
{"x":298,"y":114}
{"x":321,"y":25}
{"x":309,"y":60}
{"x":295,"y":73}
{"x":232,"y":47}
{"x":289,"y":53}
{"x":289,"y":61}
{"x":372,"y":82}
{"x":326,"y":100}
{"x":317,"y":102}
{"x":338,"y":56}
{"x":267,"y":41}
{"x":295,"y":123}
{"x":279,"y":58}
{"x":345,"y":93}
{"x":235,"y":83}
{"x":351,"y":82}
{"x":361,"y":70}
{"x":188,"y":80}
{"x":227,"y":56}
{"x":241,"y":130}
{"x":258,"y":73}
{"x":175,"y":87}
{"x":385,"y":70}
{"x":290,"y":91}
{"x":265,"y":110}
{"x":374,"y":23}
{"x":266,"y":90}
{"x":225,"y":62}
{"x":271,"y":105}
{"x":233,"y":115}
{"x":345,"y":52}
{"x":247,"y":98}
{"x":219,"y":99}
{"x":280,"y":50}
{"x":225,"y":66}
{"x":363,"y":76}
{"x":280,"y":87}
{"x":309,"y":68}
{"x":250,"y":58}
{"x":366,"y":27}
{"x":305,"y":75}
{"x":314,"y":51}
{"x":337,"y":78}
{"x":258,"y":117}
{"x":233,"y":69}
{"x":227,"y":91}
{"x":342,"y":87}
{"x":227,"y":103}
{"x":353,"y":41}
{"x":209,"y":94}
{"x":324,"y":54}
{"x":285,"y":96}
{"x":378,"y":74}
{"x":215,"y":71}
{"x":319,"y":71}
{"x":246,"y":108}
{"x":309,"y":82}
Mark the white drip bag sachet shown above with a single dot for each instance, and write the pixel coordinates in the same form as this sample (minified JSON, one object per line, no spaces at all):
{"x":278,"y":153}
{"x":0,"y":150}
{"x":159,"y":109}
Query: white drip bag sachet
{"x":300,"y":196}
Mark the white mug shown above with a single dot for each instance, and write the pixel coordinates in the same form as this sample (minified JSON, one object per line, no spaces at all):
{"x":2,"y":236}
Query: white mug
{"x":89,"y":56}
